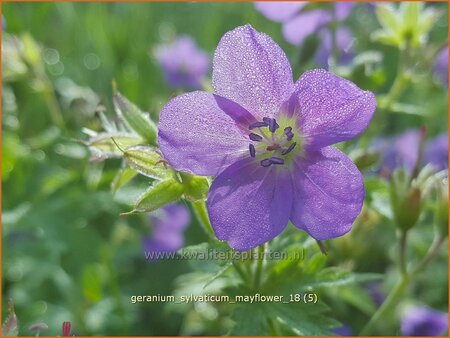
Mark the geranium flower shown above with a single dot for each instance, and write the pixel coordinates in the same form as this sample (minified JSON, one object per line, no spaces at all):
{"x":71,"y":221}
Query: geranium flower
{"x":403,"y":151}
{"x":183,"y":63}
{"x":441,"y":66}
{"x":169,"y":224}
{"x":267,"y":139}
{"x":422,"y":321}
{"x":436,"y":152}
{"x":298,"y":24}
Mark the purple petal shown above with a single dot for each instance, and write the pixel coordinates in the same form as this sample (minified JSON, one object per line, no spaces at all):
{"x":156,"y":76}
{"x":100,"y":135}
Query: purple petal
{"x":342,"y":10}
{"x":304,"y":24}
{"x":200,"y":133}
{"x":328,"y":195}
{"x":422,"y":321}
{"x":436,"y":152}
{"x":252,"y":70}
{"x":279,"y":10}
{"x":332,"y":109}
{"x":248,"y":204}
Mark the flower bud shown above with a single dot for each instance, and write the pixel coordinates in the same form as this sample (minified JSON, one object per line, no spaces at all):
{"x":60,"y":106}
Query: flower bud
{"x":406,"y":200}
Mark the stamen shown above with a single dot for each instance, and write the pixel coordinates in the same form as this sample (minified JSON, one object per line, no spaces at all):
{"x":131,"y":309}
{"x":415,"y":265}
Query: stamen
{"x":272,"y":123}
{"x":289,"y":136}
{"x":257,"y":125}
{"x":252,"y":150}
{"x":276,"y":160}
{"x":255,"y":137}
{"x":266,"y":162}
{"x":287,"y":130}
{"x":289,"y":149}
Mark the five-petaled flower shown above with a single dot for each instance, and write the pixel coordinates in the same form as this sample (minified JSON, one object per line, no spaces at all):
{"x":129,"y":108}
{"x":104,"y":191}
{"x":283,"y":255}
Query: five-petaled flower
{"x":267,"y":139}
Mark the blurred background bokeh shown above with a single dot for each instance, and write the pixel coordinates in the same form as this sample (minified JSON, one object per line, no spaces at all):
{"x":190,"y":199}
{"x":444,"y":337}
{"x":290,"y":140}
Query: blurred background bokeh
{"x":69,"y":256}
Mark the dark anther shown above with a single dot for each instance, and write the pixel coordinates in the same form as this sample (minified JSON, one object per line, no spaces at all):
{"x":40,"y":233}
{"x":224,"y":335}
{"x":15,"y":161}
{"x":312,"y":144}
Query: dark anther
{"x":272,"y":123}
{"x":276,"y":160}
{"x":289,"y":136}
{"x":288,"y":150}
{"x":255,"y":137}
{"x":257,"y":125}
{"x":266,"y":162}
{"x":252,"y":150}
{"x":287,"y":130}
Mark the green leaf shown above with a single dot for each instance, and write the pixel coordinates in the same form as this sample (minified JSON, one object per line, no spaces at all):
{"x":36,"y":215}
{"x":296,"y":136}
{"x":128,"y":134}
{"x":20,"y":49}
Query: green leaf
{"x":92,"y":283}
{"x":299,"y":318}
{"x":357,"y":296}
{"x":122,"y":177}
{"x":386,"y":38}
{"x":387,"y":17}
{"x":410,"y":12}
{"x":147,"y":161}
{"x":195,"y":187}
{"x":10,"y":326}
{"x":135,"y":118}
{"x":305,"y":319}
{"x":250,"y":320}
{"x":31,"y":51}
{"x":333,"y":277}
{"x":158,"y":195}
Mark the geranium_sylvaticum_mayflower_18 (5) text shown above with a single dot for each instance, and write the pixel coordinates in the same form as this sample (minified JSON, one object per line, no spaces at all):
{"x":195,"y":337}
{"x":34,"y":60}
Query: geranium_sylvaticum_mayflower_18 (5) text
{"x":267,"y":141}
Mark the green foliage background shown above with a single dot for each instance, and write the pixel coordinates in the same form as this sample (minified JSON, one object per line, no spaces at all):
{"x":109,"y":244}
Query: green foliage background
{"x":67,"y":255}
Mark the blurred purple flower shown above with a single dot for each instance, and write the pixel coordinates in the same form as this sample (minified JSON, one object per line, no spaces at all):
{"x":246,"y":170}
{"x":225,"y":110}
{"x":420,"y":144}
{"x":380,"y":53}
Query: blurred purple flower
{"x":298,"y":24}
{"x":423,"y":321}
{"x":267,"y":140}
{"x":183,"y":63}
{"x":344,"y":42}
{"x":374,"y":291}
{"x":441,"y":66}
{"x":403,"y":151}
{"x":168,"y":223}
{"x":436,"y":152}
{"x":343,"y":330}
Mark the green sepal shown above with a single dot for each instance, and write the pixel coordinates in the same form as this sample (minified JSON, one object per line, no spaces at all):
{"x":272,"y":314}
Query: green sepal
{"x":147,"y":161}
{"x":158,"y":195}
{"x":135,"y":118}
{"x":195,"y":187}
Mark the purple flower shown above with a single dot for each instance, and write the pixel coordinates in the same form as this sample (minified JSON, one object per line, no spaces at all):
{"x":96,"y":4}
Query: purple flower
{"x":297,"y":24}
{"x":375,"y":293}
{"x":441,"y":66}
{"x":183,"y":63}
{"x":403,"y":151}
{"x":436,"y":152}
{"x":169,"y":223}
{"x":267,"y":139}
{"x":423,"y":321}
{"x":343,"y":330}
{"x":344,"y":42}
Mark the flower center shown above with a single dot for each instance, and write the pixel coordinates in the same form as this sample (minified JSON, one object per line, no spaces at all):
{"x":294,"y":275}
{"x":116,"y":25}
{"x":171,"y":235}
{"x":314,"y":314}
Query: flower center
{"x":271,"y":143}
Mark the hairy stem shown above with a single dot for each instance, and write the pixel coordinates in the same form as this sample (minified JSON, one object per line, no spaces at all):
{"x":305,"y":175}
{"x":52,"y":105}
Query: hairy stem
{"x":259,"y":266}
{"x":201,"y":213}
